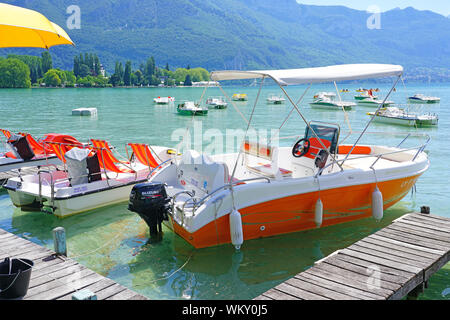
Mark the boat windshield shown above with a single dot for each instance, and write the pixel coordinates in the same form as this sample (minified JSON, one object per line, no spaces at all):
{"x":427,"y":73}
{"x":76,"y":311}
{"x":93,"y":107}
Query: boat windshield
{"x":324,"y":132}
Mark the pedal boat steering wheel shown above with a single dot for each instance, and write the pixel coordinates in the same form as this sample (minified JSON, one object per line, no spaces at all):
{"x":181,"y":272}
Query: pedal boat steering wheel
{"x":301,"y":148}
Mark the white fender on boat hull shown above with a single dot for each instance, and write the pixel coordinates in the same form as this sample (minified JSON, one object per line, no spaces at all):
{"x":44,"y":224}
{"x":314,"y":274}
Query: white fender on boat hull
{"x":318,"y":214}
{"x":377,"y":204}
{"x":236,"y":232}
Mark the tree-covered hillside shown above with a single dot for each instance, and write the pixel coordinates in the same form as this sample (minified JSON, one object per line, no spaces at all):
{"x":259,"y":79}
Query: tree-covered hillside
{"x":234,"y":34}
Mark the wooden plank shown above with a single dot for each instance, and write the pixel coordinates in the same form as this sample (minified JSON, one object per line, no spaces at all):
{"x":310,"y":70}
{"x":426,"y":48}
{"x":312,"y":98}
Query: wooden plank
{"x":141,"y":297}
{"x":437,"y":226}
{"x":419,"y":227}
{"x":20,"y":248}
{"x":349,"y":286}
{"x":362,"y":266}
{"x":306,"y":284}
{"x":441,"y":221}
{"x":48,"y":262}
{"x":359,"y":274}
{"x":353,"y":279}
{"x":432,"y":217}
{"x":397,"y":256}
{"x":274,"y":294}
{"x":109,"y":291}
{"x":52,"y":283}
{"x":402,"y":236}
{"x":429,"y":219}
{"x":52,"y":268}
{"x":382,"y":261}
{"x":94,"y":287}
{"x":431,"y":233}
{"x":261,"y":297}
{"x":73,"y":284}
{"x":399,"y":247}
{"x":123,"y":295}
{"x":34,"y":255}
{"x":7,"y":242}
{"x":407,"y":285}
{"x":5,"y":236}
{"x":298,"y":293}
{"x":406,"y":243}
{"x":425,"y":234}
{"x":54,"y":278}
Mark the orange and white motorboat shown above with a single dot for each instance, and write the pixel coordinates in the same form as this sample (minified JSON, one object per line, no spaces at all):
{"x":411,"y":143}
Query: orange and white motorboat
{"x":266,"y":189}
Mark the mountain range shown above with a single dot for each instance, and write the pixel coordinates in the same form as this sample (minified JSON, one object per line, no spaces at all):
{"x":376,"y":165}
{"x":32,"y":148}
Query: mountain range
{"x":248,"y":34}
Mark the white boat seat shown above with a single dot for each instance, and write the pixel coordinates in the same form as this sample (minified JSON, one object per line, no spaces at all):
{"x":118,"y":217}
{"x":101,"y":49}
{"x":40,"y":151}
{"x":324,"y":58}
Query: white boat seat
{"x":267,"y":170}
{"x":263,"y":152}
{"x":200,"y":174}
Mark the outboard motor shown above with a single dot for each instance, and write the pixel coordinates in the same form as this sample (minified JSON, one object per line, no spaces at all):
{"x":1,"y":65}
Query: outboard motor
{"x":151,"y":202}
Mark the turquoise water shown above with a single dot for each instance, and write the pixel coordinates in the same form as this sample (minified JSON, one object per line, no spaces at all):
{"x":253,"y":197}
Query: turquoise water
{"x":113,"y":241}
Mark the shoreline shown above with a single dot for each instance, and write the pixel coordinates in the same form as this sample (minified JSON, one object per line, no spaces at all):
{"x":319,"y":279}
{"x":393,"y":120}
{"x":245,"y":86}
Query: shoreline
{"x":212,"y":86}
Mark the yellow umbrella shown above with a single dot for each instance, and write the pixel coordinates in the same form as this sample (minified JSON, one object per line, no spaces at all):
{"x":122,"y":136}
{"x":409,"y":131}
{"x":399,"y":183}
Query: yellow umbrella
{"x":20,"y":27}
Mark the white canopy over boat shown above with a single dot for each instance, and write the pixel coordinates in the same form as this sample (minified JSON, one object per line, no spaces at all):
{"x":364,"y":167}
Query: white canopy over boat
{"x":314,"y":75}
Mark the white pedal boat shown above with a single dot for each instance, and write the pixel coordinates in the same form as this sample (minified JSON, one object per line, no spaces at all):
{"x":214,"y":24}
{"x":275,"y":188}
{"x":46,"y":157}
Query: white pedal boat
{"x":394,"y":115}
{"x":22,"y":151}
{"x":423,"y":99}
{"x":88,"y":183}
{"x":163,"y":100}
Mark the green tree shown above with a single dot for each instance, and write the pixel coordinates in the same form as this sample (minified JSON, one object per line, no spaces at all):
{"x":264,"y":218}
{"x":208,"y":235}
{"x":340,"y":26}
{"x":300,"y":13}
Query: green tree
{"x":138,"y":77}
{"x":14,"y":73}
{"x":34,"y":64}
{"x":70,"y":78}
{"x":149,"y":70}
{"x":96,"y":65}
{"x":84,"y":71}
{"x":52,"y":78}
{"x":76,"y":66}
{"x":127,"y":73}
{"x":47,"y":63}
{"x":188,"y":81}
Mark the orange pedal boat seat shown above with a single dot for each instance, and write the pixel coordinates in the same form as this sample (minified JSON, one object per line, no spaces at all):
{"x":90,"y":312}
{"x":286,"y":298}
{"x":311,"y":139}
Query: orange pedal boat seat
{"x":107,"y":161}
{"x":103,"y":144}
{"x":144,"y":154}
{"x":38,"y":148}
{"x":7,"y":133}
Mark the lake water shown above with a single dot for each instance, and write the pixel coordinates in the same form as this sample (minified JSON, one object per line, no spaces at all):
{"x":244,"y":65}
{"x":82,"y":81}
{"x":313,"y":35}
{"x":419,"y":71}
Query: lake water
{"x":113,"y":241}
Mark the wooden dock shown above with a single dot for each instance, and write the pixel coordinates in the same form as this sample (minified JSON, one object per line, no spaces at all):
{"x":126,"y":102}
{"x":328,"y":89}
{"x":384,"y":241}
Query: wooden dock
{"x":56,"y":277}
{"x":393,"y":263}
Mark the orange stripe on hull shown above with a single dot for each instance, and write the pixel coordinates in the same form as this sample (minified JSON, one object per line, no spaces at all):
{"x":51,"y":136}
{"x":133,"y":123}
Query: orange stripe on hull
{"x":296,"y":213}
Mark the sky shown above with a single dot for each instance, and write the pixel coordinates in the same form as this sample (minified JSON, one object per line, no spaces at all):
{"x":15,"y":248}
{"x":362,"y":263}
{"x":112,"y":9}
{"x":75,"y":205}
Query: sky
{"x":439,"y":6}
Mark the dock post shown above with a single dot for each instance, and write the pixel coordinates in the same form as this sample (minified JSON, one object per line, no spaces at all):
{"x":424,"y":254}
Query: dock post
{"x":425,"y":210}
{"x":414,"y":294}
{"x":59,"y":241}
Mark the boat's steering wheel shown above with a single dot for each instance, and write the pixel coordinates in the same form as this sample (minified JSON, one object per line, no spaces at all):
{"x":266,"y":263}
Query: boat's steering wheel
{"x":301,"y":148}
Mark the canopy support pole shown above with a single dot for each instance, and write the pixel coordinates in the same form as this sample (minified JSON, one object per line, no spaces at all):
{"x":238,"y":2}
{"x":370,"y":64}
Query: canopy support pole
{"x":371,"y":119}
{"x":246,"y":132}
{"x":310,"y":128}
{"x":345,"y":112}
{"x":292,"y":110}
